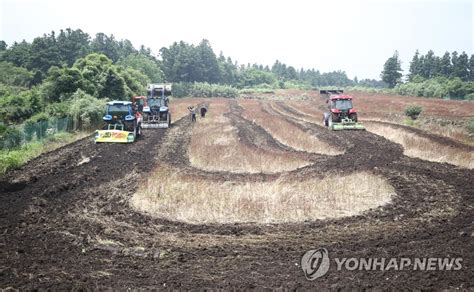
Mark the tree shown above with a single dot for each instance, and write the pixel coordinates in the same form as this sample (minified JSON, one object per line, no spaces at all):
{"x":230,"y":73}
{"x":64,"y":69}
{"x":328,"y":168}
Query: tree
{"x":44,"y":54}
{"x":415,"y":66}
{"x":471,"y":68}
{"x":100,"y":77}
{"x":454,"y":61}
{"x":445,"y":67}
{"x":428,"y":67}
{"x":18,"y":54}
{"x":461,"y":67}
{"x":207,"y":63}
{"x":61,"y":83}
{"x":106,"y":45}
{"x":72,"y":45}
{"x":391,"y":73}
{"x":253,"y":76}
{"x":14,"y":76}
{"x":145,"y":65}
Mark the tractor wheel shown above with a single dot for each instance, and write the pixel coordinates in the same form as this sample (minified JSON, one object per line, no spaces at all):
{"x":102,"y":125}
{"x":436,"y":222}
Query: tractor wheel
{"x":335,"y":118}
{"x":330,"y":122}
{"x":353,"y":117}
{"x":169,"y":120}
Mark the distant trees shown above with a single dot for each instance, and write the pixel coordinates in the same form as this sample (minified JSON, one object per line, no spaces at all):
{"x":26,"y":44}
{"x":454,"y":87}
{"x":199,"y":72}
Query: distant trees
{"x":143,"y":63}
{"x":391,"y":73}
{"x":450,"y":65}
{"x":64,"y":49}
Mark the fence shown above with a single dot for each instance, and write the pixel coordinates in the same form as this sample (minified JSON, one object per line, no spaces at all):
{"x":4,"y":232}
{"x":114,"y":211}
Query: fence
{"x":13,"y":137}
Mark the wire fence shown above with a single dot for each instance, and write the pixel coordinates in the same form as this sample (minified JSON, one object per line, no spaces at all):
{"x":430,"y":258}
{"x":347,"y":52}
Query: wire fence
{"x":16,"y":136}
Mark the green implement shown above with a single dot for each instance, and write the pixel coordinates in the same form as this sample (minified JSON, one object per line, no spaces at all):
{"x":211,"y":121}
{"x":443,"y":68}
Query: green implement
{"x":346,"y":124}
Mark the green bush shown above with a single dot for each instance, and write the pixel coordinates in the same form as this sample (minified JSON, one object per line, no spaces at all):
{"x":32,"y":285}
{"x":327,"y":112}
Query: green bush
{"x":413,"y":111}
{"x":10,"y":138}
{"x":470,"y":96}
{"x":199,"y":89}
{"x":86,"y":110}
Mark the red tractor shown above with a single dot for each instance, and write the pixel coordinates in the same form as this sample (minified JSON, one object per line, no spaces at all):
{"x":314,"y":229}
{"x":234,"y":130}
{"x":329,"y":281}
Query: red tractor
{"x":341,"y":115}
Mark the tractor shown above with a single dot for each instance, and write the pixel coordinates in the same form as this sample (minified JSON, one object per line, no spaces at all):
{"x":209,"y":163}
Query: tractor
{"x":154,"y":106}
{"x":122,"y":123}
{"x":341,"y":115}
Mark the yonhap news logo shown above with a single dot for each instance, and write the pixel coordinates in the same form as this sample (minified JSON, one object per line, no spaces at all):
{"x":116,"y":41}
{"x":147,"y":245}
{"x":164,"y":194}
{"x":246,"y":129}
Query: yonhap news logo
{"x":315,"y":264}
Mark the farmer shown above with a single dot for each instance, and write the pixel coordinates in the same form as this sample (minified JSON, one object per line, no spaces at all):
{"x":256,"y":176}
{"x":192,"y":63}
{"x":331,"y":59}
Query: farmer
{"x":203,"y":111}
{"x":192,"y":111}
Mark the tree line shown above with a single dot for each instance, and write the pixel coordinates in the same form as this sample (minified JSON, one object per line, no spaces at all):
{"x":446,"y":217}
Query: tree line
{"x":450,"y":75}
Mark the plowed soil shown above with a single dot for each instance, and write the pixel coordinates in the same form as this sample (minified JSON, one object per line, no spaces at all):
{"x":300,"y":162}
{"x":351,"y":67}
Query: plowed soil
{"x":66,"y":221}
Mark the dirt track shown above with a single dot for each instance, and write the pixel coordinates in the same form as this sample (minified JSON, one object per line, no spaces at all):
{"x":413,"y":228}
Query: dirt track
{"x":66,"y":222}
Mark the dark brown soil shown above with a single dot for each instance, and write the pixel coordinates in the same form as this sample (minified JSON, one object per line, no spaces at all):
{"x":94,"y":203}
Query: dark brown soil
{"x":66,"y":222}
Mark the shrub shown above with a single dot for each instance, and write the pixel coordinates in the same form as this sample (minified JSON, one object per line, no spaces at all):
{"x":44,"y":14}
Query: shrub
{"x":199,"y":89}
{"x":470,"y":96}
{"x":10,"y":138}
{"x":86,"y":110}
{"x":413,"y":111}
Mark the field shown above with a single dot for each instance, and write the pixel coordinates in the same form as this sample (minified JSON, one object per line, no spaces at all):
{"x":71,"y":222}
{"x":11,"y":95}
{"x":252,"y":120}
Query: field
{"x":235,"y":199}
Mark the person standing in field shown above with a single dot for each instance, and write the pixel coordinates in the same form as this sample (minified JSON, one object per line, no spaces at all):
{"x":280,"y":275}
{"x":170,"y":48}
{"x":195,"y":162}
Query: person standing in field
{"x":203,"y":111}
{"x":192,"y":112}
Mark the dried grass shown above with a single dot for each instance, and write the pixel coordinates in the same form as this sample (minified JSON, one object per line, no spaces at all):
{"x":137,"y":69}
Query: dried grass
{"x":285,"y":132}
{"x":215,"y":146}
{"x":168,"y":195}
{"x":424,"y":148}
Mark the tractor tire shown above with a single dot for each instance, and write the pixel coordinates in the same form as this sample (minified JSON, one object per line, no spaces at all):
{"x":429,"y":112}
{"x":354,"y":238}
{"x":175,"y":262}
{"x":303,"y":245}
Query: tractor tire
{"x":353,"y":117}
{"x":335,"y":118}
{"x":169,"y":120}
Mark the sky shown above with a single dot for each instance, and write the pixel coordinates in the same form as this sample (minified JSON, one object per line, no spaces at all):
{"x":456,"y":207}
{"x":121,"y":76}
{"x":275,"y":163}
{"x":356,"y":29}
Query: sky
{"x":354,"y":36}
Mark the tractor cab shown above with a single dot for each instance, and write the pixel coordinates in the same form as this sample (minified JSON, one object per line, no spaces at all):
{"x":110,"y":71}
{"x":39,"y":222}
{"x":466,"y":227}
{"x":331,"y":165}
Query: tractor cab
{"x":119,"y":112}
{"x":341,"y":114}
{"x":155,"y":106}
{"x":122,"y":123}
{"x":341,"y":105}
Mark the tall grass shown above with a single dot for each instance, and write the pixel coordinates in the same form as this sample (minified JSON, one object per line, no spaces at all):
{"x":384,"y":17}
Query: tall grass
{"x":215,"y":146}
{"x":419,"y":147}
{"x":172,"y":196}
{"x":11,"y":159}
{"x":285,"y":132}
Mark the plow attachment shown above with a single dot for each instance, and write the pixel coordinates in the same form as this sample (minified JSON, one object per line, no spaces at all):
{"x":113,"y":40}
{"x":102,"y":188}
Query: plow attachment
{"x":155,"y":122}
{"x":155,"y":125}
{"x":114,"y":134}
{"x":346,"y":124}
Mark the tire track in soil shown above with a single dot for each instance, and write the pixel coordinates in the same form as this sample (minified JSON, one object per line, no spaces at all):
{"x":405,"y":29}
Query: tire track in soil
{"x":49,"y":219}
{"x":254,"y":136}
{"x":436,"y":138}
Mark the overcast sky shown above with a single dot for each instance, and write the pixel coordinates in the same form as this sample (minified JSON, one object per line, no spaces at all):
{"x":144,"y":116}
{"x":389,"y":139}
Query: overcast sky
{"x":354,"y":36}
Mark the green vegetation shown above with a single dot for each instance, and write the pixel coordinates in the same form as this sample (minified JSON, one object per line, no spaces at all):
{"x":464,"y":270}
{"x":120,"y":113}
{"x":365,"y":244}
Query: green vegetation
{"x":204,"y":89}
{"x":450,"y":76}
{"x":391,"y":73}
{"x":11,"y":159}
{"x":413,"y":111}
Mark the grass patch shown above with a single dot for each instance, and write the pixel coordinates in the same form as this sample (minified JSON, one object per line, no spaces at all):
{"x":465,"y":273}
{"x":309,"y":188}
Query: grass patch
{"x":420,"y":147}
{"x":12,"y":159}
{"x":285,"y":132}
{"x":172,"y":196}
{"x":215,"y":146}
